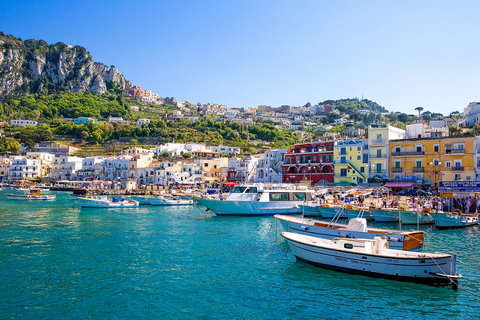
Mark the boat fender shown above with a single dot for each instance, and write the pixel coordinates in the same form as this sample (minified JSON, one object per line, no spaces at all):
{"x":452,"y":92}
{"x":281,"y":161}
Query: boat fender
{"x":393,"y":239}
{"x":304,"y":227}
{"x":343,"y":235}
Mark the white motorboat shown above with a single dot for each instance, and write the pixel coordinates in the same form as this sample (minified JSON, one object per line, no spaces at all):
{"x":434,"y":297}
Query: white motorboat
{"x":260,"y":200}
{"x":386,"y":214}
{"x":356,"y":228}
{"x":32,"y":194}
{"x":91,"y":202}
{"x":142,"y":200}
{"x":372,"y":257}
{"x":455,"y":219}
{"x":170,"y":201}
{"x":416,"y":216}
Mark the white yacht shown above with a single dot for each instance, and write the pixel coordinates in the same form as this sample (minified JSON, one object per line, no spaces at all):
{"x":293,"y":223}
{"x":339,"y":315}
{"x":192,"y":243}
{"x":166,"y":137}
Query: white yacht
{"x":260,"y":199}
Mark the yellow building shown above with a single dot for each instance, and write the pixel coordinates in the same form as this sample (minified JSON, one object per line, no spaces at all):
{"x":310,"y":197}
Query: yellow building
{"x":213,"y":169}
{"x":432,"y":160}
{"x":351,"y":162}
{"x":378,"y":141}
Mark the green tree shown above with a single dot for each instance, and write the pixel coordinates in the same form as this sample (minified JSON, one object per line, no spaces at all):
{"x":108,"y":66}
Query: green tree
{"x":187,"y":155}
{"x":84,"y":135}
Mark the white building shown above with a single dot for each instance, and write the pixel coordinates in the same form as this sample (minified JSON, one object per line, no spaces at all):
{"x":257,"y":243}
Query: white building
{"x":117,"y":120}
{"x":65,"y":167}
{"x":141,"y":122}
{"x":225,"y":150}
{"x":23,"y":123}
{"x":23,"y":168}
{"x":269,"y":166}
{"x":470,"y":116}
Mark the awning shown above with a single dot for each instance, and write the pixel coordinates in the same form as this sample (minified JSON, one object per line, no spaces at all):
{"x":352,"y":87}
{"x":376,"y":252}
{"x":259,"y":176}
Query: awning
{"x":398,"y":185}
{"x":229,"y":183}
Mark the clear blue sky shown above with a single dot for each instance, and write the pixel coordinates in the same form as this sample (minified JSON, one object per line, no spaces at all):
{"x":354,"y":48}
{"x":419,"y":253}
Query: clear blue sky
{"x":401,"y":54}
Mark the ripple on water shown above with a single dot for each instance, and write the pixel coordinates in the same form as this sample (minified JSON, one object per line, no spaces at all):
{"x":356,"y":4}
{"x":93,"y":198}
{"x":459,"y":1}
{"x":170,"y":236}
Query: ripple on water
{"x":175,"y":263}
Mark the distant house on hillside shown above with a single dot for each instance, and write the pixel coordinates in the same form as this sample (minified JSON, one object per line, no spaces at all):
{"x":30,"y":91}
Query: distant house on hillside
{"x":23,"y":123}
{"x":117,"y":120}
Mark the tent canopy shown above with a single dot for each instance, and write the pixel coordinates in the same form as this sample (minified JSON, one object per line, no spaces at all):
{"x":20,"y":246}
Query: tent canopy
{"x":398,"y":185}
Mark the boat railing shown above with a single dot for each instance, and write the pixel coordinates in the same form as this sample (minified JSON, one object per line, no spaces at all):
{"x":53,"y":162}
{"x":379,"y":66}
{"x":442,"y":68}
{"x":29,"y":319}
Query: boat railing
{"x":338,"y":213}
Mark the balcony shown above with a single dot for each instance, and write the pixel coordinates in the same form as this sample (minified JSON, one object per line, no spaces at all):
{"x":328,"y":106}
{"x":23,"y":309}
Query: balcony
{"x":397,"y":170}
{"x":458,"y":168}
{"x":418,"y":169}
{"x":378,"y":156}
{"x":378,"y":141}
{"x":377,"y":171}
{"x":408,"y":153}
{"x":457,"y":151}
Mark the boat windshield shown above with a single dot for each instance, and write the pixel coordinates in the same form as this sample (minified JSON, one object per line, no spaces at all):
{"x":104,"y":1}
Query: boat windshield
{"x":238,"y":189}
{"x":252,"y":190}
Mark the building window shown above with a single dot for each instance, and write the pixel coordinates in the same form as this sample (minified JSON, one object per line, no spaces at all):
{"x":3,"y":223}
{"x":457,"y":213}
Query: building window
{"x":448,"y":164}
{"x":397,"y":164}
{"x":419,"y":148}
{"x":343,"y":172}
{"x":436,"y":148}
{"x":343,"y":151}
{"x":359,"y":157}
{"x":362,"y":169}
{"x":458,"y":176}
{"x":397,"y":149}
{"x":418,"y":163}
{"x":457,"y":163}
{"x":365,"y":158}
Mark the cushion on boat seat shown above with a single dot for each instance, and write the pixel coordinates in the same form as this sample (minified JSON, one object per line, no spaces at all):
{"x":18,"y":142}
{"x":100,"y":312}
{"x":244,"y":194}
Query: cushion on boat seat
{"x":357,"y":224}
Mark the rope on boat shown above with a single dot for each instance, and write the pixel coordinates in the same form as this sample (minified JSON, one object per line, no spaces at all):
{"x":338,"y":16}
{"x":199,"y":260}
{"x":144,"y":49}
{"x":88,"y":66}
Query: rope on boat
{"x":461,"y":254}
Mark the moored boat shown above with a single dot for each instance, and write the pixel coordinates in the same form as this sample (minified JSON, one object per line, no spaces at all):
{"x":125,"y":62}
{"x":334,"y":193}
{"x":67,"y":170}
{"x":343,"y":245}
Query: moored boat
{"x":386,"y":214}
{"x":260,"y":200}
{"x":455,"y":219}
{"x":170,"y":201}
{"x":372,"y":257}
{"x":419,"y":216}
{"x":358,"y":212}
{"x":356,"y":228}
{"x":32,"y":194}
{"x":142,"y":200}
{"x":91,"y":202}
{"x":330,"y":211}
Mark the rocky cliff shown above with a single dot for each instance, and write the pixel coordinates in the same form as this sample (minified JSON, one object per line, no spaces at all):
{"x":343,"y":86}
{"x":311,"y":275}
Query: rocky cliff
{"x":33,"y":66}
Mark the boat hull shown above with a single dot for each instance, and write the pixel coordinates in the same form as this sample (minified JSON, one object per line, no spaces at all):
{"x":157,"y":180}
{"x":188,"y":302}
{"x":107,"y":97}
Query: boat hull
{"x":400,"y":240}
{"x":251,"y":208}
{"x":28,"y":198}
{"x":331,"y":212}
{"x":448,"y":220}
{"x":422,"y":270}
{"x":385,"y":215}
{"x":164,"y":202}
{"x":413,"y":217}
{"x":351,"y":214}
{"x":100,"y":203}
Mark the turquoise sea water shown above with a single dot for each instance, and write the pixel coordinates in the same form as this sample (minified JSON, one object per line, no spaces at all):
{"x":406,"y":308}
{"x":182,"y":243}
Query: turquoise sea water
{"x":59,"y":262}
